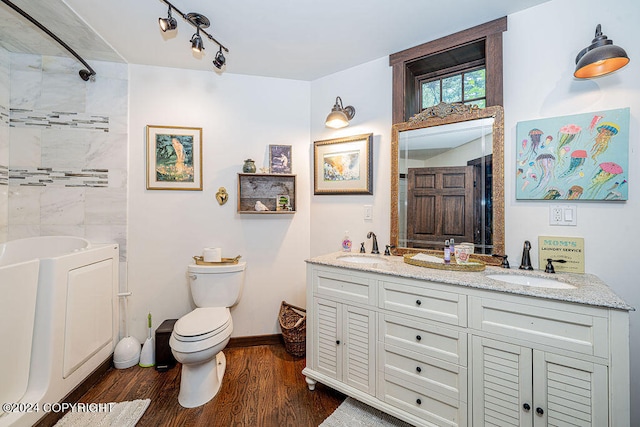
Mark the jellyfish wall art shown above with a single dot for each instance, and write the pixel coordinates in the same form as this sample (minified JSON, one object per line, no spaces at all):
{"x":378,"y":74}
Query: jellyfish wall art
{"x":578,"y":157}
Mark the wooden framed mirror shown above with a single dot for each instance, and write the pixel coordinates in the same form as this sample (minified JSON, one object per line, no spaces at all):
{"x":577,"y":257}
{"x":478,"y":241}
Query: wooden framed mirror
{"x":447,"y":180}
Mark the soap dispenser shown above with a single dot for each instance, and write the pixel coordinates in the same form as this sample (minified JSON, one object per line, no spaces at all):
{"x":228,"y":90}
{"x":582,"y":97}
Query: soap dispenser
{"x":346,"y":242}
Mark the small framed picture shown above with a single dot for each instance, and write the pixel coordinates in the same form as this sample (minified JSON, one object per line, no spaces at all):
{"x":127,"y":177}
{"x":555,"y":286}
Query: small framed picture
{"x":283,"y":203}
{"x":174,"y":158}
{"x":280,"y":158}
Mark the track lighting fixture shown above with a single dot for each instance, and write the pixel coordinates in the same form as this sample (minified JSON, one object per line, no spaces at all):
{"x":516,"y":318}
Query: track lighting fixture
{"x":219,"y":60}
{"x":600,"y":58}
{"x":199,"y":22}
{"x":339,"y":116}
{"x":196,"y":42}
{"x":169,"y":23}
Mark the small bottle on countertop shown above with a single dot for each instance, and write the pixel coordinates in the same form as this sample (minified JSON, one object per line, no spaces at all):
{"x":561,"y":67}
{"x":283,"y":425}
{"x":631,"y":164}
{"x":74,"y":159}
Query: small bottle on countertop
{"x":346,"y":242}
{"x":447,"y":252}
{"x":452,"y":247}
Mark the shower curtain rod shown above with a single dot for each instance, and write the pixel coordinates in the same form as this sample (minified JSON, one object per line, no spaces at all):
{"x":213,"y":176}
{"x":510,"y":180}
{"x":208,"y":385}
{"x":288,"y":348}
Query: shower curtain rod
{"x":84,"y":74}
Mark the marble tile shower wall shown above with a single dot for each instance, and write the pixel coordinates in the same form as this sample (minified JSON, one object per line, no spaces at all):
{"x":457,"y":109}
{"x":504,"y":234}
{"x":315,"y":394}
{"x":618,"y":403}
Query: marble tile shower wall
{"x":67,"y":169}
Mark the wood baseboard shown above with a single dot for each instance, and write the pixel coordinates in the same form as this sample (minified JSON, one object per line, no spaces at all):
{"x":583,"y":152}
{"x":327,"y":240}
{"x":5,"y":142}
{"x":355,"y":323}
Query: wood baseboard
{"x":255,"y":340}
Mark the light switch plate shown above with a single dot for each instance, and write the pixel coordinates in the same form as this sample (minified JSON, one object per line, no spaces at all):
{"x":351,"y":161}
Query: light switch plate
{"x":368,"y":212}
{"x":563,"y":215}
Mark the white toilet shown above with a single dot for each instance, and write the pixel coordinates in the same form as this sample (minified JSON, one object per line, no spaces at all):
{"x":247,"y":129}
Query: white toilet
{"x":199,"y":337}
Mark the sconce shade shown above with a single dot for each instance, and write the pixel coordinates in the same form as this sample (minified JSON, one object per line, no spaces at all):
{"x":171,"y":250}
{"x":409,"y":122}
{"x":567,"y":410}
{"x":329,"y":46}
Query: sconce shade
{"x":339,"y":116}
{"x":600,"y":58}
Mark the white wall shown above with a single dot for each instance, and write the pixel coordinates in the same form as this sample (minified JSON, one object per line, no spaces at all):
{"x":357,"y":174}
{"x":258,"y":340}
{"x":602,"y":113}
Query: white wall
{"x":240,"y":116}
{"x":367,"y":88}
{"x":539,"y":52}
{"x":539,"y":83}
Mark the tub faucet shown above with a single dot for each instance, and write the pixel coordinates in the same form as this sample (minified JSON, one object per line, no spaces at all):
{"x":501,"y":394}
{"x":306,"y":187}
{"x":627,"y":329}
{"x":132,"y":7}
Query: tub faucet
{"x":374,"y":249}
{"x":525,"y":264}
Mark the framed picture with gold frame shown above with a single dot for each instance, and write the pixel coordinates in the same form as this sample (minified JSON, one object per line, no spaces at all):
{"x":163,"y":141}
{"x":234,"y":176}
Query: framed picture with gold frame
{"x":174,"y":158}
{"x":343,"y":165}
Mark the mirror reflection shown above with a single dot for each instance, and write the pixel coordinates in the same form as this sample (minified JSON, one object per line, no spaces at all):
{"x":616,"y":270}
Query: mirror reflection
{"x":448,"y":180}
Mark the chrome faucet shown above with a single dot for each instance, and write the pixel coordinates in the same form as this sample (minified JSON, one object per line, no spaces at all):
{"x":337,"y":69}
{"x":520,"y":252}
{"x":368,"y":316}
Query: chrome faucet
{"x":525,"y":263}
{"x":374,"y":249}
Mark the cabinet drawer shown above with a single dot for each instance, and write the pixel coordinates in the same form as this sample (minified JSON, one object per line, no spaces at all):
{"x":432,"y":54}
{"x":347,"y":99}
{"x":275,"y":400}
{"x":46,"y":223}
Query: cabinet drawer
{"x":426,"y":373}
{"x":424,"y":338}
{"x":434,"y":408}
{"x":582,"y":331}
{"x":442,"y":306}
{"x":344,"y":285}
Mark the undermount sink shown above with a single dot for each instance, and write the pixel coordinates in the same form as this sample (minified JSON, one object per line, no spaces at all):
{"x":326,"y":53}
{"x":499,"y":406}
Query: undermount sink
{"x":536,"y":282}
{"x":361,"y":259}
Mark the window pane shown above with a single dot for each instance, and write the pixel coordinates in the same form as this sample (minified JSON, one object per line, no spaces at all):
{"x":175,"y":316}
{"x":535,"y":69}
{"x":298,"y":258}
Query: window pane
{"x":430,"y":94}
{"x":475,"y":84}
{"x":452,"y":89}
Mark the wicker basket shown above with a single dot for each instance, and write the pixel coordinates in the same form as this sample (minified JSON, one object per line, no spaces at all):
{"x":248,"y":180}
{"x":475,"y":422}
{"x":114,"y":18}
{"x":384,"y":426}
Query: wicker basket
{"x":293,"y":322}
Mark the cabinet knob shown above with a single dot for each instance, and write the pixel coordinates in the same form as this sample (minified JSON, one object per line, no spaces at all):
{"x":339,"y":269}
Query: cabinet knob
{"x":419,"y":369}
{"x":419,"y":402}
{"x":338,"y":342}
{"x":418,"y":302}
{"x":526,"y":407}
{"x":418,"y":337}
{"x":539,"y":411}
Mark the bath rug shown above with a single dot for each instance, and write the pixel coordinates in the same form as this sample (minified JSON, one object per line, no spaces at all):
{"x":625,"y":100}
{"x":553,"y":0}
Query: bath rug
{"x":122,"y":414}
{"x":354,"y":413}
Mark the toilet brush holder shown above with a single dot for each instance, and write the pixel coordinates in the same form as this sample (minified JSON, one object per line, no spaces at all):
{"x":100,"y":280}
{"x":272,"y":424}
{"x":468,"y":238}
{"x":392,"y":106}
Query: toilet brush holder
{"x":127,"y":351}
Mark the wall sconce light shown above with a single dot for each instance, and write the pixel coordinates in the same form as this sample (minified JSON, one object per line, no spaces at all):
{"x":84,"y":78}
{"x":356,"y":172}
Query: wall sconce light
{"x":600,"y":58}
{"x":200,"y":22}
{"x":339,"y":116}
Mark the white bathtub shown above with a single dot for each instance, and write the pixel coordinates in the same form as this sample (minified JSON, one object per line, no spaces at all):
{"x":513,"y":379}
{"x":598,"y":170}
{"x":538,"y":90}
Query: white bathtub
{"x":62,"y":316}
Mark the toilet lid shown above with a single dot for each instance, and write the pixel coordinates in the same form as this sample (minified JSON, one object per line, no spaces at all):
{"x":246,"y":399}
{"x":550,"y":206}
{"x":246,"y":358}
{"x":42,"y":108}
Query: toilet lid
{"x":202,"y":321}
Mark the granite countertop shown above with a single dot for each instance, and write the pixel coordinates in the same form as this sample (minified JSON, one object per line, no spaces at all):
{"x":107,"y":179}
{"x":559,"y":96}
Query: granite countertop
{"x":589,"y":289}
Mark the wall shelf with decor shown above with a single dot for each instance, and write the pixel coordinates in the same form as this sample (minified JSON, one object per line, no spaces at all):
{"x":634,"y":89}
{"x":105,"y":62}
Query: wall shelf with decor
{"x":266,"y":193}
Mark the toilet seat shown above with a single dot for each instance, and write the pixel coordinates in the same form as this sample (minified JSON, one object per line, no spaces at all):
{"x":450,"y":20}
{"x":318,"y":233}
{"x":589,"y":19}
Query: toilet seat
{"x":202,"y":323}
{"x":201,"y":329}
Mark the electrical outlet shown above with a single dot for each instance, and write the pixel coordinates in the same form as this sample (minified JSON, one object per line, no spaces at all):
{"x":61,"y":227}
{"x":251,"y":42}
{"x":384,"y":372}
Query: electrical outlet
{"x":563,"y":215}
{"x":555,"y":215}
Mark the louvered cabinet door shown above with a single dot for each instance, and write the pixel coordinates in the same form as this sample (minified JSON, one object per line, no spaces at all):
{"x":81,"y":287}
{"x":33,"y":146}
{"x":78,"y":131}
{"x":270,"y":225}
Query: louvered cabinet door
{"x":569,"y":392}
{"x":327,"y":349}
{"x":501,"y":384}
{"x":359,"y":348}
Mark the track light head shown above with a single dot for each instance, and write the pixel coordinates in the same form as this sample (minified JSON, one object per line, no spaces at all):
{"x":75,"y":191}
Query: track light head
{"x":219,"y":60}
{"x":196,"y":42}
{"x":169,"y":23}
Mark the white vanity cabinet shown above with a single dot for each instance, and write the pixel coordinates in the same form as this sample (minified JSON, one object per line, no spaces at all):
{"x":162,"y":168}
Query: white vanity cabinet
{"x":343,"y":325}
{"x":538,"y":363}
{"x":438,"y":354}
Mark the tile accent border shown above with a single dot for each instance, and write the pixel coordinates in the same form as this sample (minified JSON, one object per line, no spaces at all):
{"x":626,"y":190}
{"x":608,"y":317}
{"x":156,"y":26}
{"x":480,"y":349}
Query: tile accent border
{"x":49,"y":177}
{"x":57,"y":120}
{"x":4,"y":175}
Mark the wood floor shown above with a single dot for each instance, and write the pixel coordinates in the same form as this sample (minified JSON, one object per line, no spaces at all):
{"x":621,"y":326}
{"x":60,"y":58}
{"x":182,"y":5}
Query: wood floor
{"x":262,"y":387}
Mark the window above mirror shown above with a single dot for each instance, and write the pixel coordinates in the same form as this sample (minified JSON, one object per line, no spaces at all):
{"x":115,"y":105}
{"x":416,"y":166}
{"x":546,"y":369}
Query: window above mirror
{"x":463,"y":67}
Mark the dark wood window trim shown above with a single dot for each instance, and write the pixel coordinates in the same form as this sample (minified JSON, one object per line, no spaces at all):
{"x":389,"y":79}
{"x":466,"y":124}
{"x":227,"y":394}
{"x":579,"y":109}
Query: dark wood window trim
{"x":404,"y":63}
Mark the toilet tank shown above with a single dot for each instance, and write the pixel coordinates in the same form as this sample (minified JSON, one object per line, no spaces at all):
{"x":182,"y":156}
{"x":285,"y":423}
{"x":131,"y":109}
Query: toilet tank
{"x":216,"y":285}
